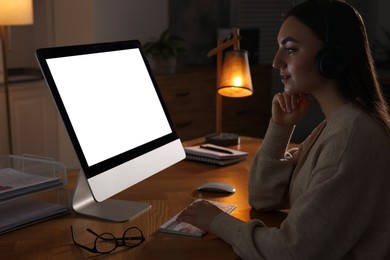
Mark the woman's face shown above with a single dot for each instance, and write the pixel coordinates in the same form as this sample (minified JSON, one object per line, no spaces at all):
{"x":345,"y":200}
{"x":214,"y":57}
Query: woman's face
{"x":295,"y":58}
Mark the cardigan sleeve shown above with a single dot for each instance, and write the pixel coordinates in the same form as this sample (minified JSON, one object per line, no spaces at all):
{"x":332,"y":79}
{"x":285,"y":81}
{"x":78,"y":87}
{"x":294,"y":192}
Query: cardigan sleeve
{"x":271,"y":170}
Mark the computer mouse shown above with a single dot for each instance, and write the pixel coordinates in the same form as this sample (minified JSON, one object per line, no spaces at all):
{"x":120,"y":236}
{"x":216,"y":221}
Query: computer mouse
{"x":217,"y":187}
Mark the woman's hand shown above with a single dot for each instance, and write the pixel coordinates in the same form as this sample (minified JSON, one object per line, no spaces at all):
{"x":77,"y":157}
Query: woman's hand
{"x":287,"y":109}
{"x":200,"y":214}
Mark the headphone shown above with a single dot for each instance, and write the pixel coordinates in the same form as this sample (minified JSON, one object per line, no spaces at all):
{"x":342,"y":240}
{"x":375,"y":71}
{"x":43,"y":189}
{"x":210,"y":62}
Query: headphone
{"x":331,"y":61}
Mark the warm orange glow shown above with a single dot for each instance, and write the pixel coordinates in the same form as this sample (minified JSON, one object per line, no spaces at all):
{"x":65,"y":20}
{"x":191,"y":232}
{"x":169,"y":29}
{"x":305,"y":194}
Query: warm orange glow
{"x":16,"y":12}
{"x":235,"y":80}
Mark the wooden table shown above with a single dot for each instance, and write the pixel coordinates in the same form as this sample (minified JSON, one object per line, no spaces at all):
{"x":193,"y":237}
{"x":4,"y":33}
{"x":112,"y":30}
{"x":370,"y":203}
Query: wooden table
{"x":168,"y":192}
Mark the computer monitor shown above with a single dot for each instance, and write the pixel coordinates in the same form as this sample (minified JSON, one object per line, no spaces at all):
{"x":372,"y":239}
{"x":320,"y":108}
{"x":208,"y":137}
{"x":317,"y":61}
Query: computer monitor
{"x":116,"y":119}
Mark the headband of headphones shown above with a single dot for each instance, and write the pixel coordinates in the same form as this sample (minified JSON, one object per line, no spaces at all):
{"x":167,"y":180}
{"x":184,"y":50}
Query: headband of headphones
{"x":332,"y":61}
{"x":327,"y":14}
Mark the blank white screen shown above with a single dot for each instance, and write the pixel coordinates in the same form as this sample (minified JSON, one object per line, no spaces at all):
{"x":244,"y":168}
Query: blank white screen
{"x":110,"y":100}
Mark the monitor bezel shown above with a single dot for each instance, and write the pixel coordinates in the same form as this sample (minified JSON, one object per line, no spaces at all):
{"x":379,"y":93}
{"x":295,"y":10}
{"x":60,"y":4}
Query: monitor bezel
{"x":65,"y":51}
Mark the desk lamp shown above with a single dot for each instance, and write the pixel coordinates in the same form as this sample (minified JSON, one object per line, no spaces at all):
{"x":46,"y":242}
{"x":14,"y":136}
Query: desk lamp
{"x":12,"y":12}
{"x":233,"y":80}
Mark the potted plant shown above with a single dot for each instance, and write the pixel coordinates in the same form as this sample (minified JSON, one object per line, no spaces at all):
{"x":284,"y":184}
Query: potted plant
{"x":163,"y":52}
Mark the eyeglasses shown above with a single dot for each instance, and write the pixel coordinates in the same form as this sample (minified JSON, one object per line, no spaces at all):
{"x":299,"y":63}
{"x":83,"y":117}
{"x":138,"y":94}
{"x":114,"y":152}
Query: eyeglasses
{"x":106,"y":242}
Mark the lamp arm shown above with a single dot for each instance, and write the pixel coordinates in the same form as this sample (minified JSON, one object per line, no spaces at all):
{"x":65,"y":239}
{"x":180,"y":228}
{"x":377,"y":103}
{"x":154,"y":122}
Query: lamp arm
{"x":235,"y":41}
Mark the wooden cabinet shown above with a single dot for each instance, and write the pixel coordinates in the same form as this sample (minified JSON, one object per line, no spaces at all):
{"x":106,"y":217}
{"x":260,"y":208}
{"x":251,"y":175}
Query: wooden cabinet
{"x":190,"y":97}
{"x":33,"y":120}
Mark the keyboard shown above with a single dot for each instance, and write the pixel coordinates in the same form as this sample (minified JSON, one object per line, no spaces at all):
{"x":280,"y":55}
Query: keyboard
{"x":182,"y":228}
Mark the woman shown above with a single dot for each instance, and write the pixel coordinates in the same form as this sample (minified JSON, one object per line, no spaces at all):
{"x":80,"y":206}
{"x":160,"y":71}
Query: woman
{"x":336,"y":183}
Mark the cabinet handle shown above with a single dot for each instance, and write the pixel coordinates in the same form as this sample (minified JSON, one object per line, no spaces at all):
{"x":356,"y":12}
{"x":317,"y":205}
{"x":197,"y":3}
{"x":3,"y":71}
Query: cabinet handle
{"x":183,"y":124}
{"x":182,"y":93}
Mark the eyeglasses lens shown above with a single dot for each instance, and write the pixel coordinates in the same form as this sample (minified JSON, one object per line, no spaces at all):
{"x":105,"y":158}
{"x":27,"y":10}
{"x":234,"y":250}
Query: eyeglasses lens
{"x":105,"y":243}
{"x":133,"y":237}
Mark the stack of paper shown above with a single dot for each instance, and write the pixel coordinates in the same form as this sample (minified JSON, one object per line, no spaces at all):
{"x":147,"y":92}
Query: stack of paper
{"x":22,"y":212}
{"x":14,"y":183}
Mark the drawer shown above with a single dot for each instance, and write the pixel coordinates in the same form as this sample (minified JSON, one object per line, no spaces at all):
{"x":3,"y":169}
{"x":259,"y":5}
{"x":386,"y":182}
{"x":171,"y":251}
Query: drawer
{"x":194,"y":125}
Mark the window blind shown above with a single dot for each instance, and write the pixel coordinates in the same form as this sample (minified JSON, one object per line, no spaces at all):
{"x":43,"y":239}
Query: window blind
{"x":265,"y":15}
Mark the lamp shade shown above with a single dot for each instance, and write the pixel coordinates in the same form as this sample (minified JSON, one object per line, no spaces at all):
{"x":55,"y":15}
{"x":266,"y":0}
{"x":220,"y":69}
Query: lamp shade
{"x":235,"y":80}
{"x":16,"y":12}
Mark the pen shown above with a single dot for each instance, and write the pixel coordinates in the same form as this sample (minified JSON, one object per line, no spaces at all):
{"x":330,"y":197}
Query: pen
{"x":215,"y":149}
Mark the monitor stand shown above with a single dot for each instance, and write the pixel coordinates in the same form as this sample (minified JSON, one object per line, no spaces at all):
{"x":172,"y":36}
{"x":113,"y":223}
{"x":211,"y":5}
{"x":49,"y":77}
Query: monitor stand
{"x":110,"y":209}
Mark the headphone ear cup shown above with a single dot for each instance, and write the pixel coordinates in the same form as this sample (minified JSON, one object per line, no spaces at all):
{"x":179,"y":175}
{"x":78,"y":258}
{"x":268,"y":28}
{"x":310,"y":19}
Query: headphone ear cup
{"x":331,"y":62}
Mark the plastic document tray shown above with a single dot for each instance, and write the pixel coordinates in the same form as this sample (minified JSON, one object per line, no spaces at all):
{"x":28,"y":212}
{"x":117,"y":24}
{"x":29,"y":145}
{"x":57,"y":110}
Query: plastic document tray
{"x":31,"y":190}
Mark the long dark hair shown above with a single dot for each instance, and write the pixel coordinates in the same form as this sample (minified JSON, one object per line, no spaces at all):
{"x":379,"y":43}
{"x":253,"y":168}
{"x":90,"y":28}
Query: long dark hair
{"x":360,"y":83}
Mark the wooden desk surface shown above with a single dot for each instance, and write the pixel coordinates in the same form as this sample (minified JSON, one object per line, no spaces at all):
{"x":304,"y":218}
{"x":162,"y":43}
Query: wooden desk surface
{"x":168,"y":192}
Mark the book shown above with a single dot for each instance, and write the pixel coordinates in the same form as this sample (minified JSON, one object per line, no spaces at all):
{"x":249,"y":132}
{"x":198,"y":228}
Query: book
{"x":214,"y":154}
{"x":14,"y":183}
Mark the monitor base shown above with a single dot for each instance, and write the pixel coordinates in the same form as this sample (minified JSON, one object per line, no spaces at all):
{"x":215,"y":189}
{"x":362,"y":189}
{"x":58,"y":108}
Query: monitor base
{"x":110,"y":209}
